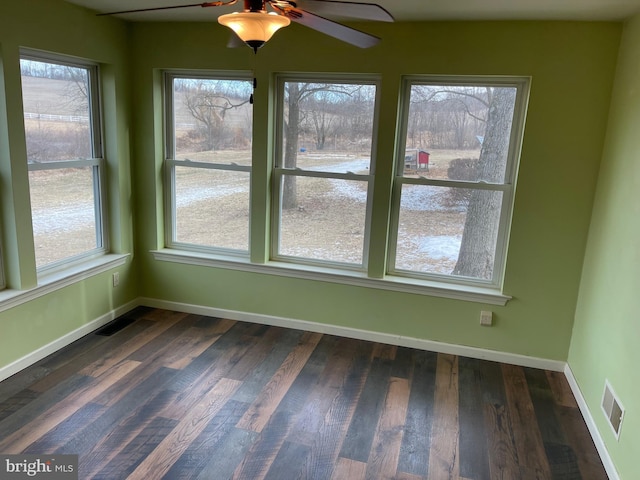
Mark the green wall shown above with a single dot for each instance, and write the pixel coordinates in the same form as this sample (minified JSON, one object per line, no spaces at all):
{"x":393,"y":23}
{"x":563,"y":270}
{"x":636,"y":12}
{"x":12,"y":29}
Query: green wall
{"x":606,"y":333}
{"x":572,"y":67}
{"x":55,"y":26}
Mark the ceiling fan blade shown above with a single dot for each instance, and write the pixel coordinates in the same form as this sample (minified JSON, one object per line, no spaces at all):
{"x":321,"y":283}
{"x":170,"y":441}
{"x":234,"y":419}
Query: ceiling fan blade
{"x":363,"y":11}
{"x":205,"y":4}
{"x":331,"y":28}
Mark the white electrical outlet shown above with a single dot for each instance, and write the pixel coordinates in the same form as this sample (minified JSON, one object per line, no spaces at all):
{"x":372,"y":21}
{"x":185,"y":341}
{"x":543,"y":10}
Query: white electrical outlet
{"x":116,"y":279}
{"x":486,"y":318}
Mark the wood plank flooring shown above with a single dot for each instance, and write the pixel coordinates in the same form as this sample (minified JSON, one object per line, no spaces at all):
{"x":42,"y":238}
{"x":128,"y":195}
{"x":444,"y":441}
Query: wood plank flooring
{"x":179,"y":396}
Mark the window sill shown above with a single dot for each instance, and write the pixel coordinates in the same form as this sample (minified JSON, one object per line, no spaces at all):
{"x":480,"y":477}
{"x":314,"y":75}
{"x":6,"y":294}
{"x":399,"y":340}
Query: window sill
{"x":61,"y":278}
{"x":346,"y":277}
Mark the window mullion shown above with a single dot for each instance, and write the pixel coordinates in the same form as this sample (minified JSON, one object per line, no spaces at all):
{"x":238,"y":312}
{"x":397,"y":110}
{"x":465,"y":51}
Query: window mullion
{"x":82,"y":163}
{"x":385,"y":155}
{"x":99,"y":205}
{"x":503,"y":187}
{"x":318,"y":174}
{"x":210,"y":166}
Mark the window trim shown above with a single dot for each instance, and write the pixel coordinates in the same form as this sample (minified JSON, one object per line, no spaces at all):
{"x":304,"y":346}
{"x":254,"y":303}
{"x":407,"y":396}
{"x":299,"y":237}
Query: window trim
{"x":55,"y":280}
{"x":170,"y":162}
{"x":279,"y":171}
{"x":96,"y":162}
{"x":340,"y":275}
{"x":522,"y":85}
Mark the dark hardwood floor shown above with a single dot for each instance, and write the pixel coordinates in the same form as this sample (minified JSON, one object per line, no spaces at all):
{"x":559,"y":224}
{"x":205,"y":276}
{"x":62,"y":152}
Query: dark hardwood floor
{"x":178,"y":396}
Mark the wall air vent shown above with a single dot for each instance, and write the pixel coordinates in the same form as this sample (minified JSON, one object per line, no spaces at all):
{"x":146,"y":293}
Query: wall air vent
{"x":612,"y":408}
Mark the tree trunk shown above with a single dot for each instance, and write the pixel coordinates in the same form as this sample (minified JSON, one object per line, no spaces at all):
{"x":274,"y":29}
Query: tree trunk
{"x":477,"y":250}
{"x":289,"y":193}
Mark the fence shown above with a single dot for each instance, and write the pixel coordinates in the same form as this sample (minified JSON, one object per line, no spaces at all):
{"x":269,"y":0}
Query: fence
{"x":57,"y":118}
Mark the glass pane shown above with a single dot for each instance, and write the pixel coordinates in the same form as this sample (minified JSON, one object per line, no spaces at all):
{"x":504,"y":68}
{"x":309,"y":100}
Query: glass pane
{"x":212,"y":207}
{"x":327,"y":220}
{"x":56,"y":111}
{"x":328,"y":126}
{"x":212,"y":120}
{"x":459,"y":132}
{"x":63,"y":213}
{"x":451,"y":231}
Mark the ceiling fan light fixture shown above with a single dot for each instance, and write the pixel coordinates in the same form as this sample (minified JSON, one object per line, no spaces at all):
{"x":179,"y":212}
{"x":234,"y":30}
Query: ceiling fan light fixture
{"x":254,"y":28}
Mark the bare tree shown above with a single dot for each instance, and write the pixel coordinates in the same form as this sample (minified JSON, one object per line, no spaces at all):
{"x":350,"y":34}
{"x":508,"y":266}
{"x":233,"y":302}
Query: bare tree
{"x":322,"y":122}
{"x":446,"y":117}
{"x":454,"y":117}
{"x":208,"y":102}
{"x":477,"y":250}
{"x":296,"y":94}
{"x":77,"y":89}
{"x":52,"y":134}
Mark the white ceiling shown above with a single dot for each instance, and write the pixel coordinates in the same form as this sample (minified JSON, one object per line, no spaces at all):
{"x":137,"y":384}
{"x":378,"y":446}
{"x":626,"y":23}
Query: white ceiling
{"x":403,"y":10}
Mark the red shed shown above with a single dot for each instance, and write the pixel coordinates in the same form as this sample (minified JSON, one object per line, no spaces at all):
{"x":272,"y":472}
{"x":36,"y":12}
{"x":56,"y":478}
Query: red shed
{"x":415,"y":159}
{"x":423,"y":159}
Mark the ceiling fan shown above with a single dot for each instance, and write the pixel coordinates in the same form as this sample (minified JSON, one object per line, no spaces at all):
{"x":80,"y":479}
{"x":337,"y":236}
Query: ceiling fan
{"x":255,"y":25}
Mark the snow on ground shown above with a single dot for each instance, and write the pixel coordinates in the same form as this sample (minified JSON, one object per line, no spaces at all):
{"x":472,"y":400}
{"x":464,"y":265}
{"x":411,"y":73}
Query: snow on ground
{"x":67,"y":218}
{"x":425,"y":199}
{"x":429,"y":253}
{"x":187,"y":196}
{"x":414,"y":197}
{"x":441,"y":247}
{"x":357,"y":165}
{"x":64,"y":218}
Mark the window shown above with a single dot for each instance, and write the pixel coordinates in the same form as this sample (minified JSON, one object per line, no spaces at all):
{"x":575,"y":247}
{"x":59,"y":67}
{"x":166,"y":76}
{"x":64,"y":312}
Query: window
{"x":440,"y":220}
{"x":209,"y":129}
{"x":323,"y":171}
{"x":64,"y":155}
{"x":454,"y":182}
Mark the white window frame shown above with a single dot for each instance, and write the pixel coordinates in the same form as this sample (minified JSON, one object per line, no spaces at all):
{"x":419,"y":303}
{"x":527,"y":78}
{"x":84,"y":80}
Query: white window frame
{"x":171,"y":162}
{"x":521,"y":84}
{"x":96,"y":162}
{"x":279,"y":171}
{"x":445,"y":286}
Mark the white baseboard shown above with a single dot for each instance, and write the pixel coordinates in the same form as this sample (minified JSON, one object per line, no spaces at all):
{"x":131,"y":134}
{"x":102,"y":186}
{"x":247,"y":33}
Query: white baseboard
{"x":42,"y":352}
{"x":591,"y":425}
{"x":411,"y":342}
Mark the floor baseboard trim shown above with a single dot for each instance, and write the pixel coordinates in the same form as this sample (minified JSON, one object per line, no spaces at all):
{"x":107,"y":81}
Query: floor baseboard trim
{"x":591,"y":425}
{"x":411,"y":342}
{"x":52,"y":347}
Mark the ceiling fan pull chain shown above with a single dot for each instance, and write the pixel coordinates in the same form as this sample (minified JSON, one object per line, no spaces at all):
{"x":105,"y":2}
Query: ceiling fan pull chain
{"x":255,"y":85}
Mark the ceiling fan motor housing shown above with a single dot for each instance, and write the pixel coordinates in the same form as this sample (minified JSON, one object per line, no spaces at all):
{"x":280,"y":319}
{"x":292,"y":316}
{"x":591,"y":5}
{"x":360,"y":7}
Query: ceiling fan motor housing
{"x":254,"y":5}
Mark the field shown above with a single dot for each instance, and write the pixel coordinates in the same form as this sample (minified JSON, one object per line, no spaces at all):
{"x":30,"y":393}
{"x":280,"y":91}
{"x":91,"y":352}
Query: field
{"x":330,"y":219}
{"x":213,"y":209}
{"x":328,"y":223}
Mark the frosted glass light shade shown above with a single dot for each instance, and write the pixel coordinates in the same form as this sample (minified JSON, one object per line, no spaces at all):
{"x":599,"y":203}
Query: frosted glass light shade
{"x":254,"y":28}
